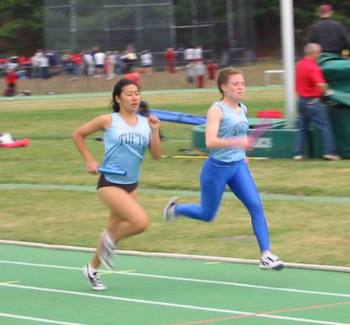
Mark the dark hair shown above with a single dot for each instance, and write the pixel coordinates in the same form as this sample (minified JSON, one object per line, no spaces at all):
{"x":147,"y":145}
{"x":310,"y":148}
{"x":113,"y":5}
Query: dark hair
{"x":224,"y":75}
{"x":118,"y":88}
{"x":144,"y":108}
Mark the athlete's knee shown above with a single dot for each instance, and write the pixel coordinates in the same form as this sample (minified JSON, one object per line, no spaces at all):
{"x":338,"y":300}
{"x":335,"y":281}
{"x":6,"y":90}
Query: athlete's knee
{"x":140,"y":224}
{"x":254,"y":206}
{"x":208,"y":216}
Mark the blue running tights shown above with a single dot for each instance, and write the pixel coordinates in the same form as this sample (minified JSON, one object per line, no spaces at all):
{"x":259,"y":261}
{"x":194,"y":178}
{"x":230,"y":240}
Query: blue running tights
{"x":214,"y":177}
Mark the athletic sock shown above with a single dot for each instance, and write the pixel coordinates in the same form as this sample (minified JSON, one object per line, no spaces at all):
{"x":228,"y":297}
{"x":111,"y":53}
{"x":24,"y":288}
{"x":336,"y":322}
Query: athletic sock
{"x":91,"y":269}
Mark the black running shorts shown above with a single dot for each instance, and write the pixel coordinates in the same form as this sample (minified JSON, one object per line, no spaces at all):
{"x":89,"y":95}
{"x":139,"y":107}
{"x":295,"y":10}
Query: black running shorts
{"x":102,"y":182}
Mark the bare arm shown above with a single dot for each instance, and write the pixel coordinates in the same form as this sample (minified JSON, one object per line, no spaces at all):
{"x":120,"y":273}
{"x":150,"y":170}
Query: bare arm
{"x":155,"y":145}
{"x":97,"y":124}
{"x":323,"y":86}
{"x":212,"y":140}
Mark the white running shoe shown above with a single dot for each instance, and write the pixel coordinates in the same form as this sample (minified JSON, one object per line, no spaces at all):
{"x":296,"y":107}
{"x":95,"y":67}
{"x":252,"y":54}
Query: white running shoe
{"x":271,"y":262}
{"x":94,"y":278}
{"x":298,"y":157}
{"x":106,"y":251}
{"x":331,"y":157}
{"x":169,"y":209}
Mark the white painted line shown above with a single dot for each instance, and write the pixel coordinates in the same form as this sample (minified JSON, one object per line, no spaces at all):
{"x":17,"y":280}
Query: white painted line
{"x":211,"y":263}
{"x":171,"y":305}
{"x":174,"y":278}
{"x":40,"y":320}
{"x":9,"y":282}
{"x":180,"y":256}
{"x":113,"y":272}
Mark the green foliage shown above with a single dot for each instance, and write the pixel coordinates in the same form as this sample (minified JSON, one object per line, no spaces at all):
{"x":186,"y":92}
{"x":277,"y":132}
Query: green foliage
{"x":21,"y":26}
{"x":22,"y":21}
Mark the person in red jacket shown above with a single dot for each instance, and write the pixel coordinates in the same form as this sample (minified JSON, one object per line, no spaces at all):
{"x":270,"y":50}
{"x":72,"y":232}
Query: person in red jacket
{"x":310,"y":87}
{"x":170,"y":57}
{"x":11,"y":81}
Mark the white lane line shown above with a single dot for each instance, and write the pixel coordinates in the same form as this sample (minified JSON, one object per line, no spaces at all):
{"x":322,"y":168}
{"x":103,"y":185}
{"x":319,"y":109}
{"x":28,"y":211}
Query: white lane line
{"x":40,"y":320}
{"x":174,"y":278}
{"x":113,"y":272}
{"x":9,"y":282}
{"x":234,"y":260}
{"x":209,"y":263}
{"x":171,"y":305}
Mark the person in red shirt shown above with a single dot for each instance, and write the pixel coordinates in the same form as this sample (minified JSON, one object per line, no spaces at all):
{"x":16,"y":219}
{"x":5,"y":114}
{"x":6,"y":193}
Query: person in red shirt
{"x":76,"y":60}
{"x":11,"y":81}
{"x":310,"y":87}
{"x":212,"y":68}
{"x":133,"y":76}
{"x":170,"y":57}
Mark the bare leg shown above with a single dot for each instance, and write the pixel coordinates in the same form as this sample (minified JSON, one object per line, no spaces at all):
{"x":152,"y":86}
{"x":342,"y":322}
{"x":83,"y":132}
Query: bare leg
{"x":127,"y":217}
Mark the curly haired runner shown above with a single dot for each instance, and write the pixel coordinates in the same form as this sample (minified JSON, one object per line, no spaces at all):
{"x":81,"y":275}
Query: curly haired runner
{"x":226,"y":137}
{"x":127,"y":135}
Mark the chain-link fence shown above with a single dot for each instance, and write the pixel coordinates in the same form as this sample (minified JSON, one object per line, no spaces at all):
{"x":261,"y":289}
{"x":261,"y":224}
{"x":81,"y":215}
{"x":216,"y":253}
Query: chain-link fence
{"x":224,"y":28}
{"x":109,"y":24}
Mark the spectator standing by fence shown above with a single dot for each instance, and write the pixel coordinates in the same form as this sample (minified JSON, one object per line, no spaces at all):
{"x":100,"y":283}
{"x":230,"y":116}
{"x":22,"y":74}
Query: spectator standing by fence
{"x":170,"y":59}
{"x":212,"y":68}
{"x":329,"y":33}
{"x":11,"y":81}
{"x":99,"y":58}
{"x":146,"y":61}
{"x":200,"y":70}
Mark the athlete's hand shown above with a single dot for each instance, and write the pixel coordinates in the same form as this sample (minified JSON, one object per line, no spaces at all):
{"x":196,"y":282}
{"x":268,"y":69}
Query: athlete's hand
{"x":154,"y":122}
{"x":245,"y":143}
{"x":92,"y":167}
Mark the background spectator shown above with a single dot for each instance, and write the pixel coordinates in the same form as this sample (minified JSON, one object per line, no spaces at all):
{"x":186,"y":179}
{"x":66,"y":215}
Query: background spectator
{"x":133,"y":76}
{"x":212,"y":68}
{"x":129,"y":59}
{"x":146,"y":62}
{"x":310,"y":86}
{"x":329,"y":33}
{"x":99,"y":58}
{"x":190,"y":72}
{"x":170,"y":59}
{"x":200,"y":70}
{"x":11,"y":81}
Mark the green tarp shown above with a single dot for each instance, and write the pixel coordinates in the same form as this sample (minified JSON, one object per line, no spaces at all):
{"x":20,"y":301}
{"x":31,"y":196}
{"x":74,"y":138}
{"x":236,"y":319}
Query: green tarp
{"x":337,"y":73}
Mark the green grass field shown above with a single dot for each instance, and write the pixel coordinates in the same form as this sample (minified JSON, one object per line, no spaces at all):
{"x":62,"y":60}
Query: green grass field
{"x":308,"y":213}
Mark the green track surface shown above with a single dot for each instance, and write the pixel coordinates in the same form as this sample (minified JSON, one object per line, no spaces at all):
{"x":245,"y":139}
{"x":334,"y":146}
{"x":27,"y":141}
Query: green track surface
{"x":48,"y":287}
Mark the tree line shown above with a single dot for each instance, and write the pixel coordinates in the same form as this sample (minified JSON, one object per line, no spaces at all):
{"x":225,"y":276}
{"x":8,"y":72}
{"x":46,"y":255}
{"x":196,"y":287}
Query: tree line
{"x":22,"y":22}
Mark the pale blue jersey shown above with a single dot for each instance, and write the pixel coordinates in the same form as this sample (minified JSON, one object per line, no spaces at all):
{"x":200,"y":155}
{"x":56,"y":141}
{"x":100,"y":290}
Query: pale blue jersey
{"x":125,"y":146}
{"x":232,"y":124}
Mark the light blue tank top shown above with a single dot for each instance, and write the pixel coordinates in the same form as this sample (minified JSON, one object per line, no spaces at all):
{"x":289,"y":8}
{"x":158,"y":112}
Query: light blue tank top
{"x":125,"y":146}
{"x":231,"y":125}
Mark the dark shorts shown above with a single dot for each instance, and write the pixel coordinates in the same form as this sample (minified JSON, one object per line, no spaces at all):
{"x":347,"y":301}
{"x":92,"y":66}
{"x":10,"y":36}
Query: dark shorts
{"x":102,"y":182}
